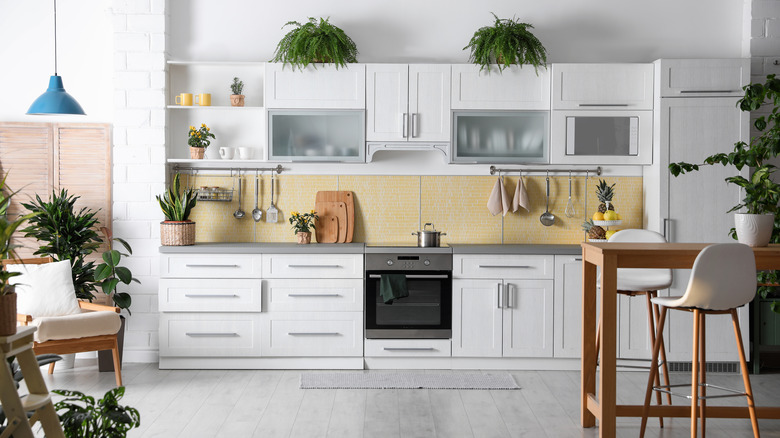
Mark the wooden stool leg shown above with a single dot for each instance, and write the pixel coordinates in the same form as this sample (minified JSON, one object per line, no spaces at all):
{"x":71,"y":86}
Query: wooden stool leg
{"x":653,"y":371}
{"x":703,"y":372}
{"x":664,"y":365}
{"x":695,"y":373}
{"x":745,"y":377}
{"x":598,"y":337}
{"x":651,"y":326}
{"x":117,"y":363}
{"x":51,"y":367}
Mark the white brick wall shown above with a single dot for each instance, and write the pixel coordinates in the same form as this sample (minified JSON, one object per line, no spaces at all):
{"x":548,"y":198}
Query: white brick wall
{"x":764,"y":22}
{"x":139,"y":158}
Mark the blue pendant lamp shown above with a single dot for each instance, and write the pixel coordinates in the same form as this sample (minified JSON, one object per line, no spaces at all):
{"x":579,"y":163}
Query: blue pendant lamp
{"x":55,"y":100}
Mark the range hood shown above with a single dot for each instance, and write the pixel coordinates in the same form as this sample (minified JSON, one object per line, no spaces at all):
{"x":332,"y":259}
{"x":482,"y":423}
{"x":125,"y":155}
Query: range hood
{"x":374,"y":147}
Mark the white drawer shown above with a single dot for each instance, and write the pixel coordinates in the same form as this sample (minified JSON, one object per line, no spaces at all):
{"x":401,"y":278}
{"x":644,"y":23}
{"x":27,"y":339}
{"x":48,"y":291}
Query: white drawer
{"x":315,"y":334}
{"x":503,"y":266}
{"x":314,"y":294}
{"x":210,"y":295}
{"x":210,"y":266}
{"x":313,"y":266}
{"x":210,"y":334}
{"x":408,"y":348}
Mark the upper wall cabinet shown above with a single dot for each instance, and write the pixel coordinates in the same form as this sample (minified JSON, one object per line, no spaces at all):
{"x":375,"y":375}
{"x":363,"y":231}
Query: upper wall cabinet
{"x":515,"y":88}
{"x":315,"y":87}
{"x":408,"y":102}
{"x":602,"y":86}
{"x":702,"y":77}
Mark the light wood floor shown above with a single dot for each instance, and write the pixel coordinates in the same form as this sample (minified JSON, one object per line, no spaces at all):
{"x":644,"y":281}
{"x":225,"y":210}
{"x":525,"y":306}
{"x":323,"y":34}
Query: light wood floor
{"x":216,"y":403}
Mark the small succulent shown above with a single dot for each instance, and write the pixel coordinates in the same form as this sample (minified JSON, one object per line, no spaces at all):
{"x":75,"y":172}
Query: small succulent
{"x":237,"y":87}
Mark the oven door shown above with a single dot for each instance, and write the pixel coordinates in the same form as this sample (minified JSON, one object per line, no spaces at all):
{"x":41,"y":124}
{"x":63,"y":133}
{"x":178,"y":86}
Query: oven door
{"x":425,"y":313}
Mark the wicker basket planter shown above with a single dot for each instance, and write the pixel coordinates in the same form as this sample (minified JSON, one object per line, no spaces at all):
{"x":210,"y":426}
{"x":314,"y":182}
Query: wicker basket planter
{"x":8,"y":314}
{"x":175,"y":233}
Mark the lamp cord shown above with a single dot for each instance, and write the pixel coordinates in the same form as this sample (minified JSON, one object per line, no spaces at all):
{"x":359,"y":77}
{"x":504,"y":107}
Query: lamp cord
{"x":55,"y":37}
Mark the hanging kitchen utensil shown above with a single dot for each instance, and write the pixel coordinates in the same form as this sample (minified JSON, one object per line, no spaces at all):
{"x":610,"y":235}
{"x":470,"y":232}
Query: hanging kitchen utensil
{"x":239,"y":214}
{"x":570,"y":211}
{"x":546,"y":218}
{"x":272,"y":214}
{"x":257,"y":214}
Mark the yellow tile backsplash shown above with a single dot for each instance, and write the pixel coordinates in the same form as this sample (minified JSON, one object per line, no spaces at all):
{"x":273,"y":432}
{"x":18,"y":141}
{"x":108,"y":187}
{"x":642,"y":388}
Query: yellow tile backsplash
{"x":389,"y":208}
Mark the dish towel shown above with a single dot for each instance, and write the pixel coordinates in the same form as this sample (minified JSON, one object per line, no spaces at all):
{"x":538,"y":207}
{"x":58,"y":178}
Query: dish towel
{"x":499,"y":200}
{"x":521,"y":197}
{"x":392,"y":287}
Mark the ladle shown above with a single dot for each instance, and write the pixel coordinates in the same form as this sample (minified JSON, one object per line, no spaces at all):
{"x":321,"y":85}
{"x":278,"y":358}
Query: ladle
{"x":239,"y":214}
{"x":570,"y":211}
{"x":546,"y":218}
{"x":257,"y":214}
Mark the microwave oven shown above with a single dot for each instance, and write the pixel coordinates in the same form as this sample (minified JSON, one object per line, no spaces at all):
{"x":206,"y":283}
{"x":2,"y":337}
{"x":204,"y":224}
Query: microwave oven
{"x":601,"y":137}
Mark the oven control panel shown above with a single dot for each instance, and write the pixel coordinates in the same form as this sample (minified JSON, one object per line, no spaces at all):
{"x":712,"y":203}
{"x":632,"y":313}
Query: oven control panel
{"x":409,"y":262}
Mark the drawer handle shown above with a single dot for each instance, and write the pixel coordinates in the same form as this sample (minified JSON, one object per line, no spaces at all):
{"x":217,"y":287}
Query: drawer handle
{"x":603,"y":104}
{"x":409,"y":349}
{"x":313,"y":266}
{"x":314,"y":295}
{"x":505,"y":266}
{"x":314,"y":333}
{"x":710,"y":91}
{"x":577,"y":259}
{"x":416,"y":276}
{"x":212,"y":335}
{"x":212,"y":266}
{"x":211,"y":296}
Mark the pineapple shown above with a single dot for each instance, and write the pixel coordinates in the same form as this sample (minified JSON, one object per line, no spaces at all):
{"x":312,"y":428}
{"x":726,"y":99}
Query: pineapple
{"x":605,"y":193}
{"x":594,"y":231}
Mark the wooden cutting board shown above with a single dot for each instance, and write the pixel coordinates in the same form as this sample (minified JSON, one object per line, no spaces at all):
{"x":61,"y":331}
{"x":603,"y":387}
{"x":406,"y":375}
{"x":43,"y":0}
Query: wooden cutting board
{"x":327,"y":229}
{"x":337,"y":210}
{"x":347,"y":198}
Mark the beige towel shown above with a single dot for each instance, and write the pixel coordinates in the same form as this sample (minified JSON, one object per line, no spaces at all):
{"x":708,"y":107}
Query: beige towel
{"x":499,"y":200}
{"x":521,"y":197}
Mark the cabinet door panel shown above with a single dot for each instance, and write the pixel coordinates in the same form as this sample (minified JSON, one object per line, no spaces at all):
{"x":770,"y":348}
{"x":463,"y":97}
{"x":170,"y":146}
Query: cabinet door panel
{"x":703,"y":77}
{"x":476,"y":318}
{"x":320,"y":86}
{"x":387,"y":101}
{"x":528,"y":319}
{"x":567,"y":315}
{"x":515,"y":88}
{"x":602,"y":86}
{"x":429,"y":102}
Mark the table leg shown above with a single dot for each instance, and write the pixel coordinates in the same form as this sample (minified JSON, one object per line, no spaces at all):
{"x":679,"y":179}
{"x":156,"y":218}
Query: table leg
{"x":607,"y":361}
{"x":588,"y":360}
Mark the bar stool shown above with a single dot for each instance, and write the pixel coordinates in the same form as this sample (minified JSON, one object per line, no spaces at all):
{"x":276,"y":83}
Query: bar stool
{"x":644,"y":282}
{"x":723,"y":278}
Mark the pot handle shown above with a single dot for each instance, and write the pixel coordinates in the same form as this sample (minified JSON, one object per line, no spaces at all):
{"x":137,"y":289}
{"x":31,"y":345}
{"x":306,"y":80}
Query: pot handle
{"x":426,"y":226}
{"x":416,"y":233}
{"x":442,"y":234}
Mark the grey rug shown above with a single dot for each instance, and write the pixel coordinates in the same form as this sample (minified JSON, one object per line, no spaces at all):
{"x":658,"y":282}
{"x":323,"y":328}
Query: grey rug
{"x":406,"y":380}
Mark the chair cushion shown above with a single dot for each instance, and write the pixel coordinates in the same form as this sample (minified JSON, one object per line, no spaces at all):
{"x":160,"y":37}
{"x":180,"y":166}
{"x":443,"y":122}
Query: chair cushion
{"x":81,"y":325}
{"x":45,"y":290}
{"x":636,"y":279}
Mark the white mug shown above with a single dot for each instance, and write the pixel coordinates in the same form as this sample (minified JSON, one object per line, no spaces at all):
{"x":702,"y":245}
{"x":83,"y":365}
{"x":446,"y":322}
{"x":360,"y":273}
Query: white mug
{"x":245,"y":153}
{"x":227,"y":152}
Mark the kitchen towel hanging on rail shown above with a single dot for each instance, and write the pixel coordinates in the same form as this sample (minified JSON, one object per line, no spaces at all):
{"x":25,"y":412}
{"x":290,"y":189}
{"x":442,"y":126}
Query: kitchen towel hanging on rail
{"x":499,"y":200}
{"x":521,"y":197}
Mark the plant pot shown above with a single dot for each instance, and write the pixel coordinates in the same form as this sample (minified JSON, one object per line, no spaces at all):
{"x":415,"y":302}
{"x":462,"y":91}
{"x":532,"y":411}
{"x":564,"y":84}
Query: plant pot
{"x":8,"y":314}
{"x":177,"y":233}
{"x":754,"y":229}
{"x":197,"y":153}
{"x":304,"y":237}
{"x":106,"y":357}
{"x":237,"y":99}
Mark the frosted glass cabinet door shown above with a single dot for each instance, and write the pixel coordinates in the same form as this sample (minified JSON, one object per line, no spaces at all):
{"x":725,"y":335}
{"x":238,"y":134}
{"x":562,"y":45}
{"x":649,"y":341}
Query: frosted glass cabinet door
{"x":500,"y":136}
{"x":316,"y":135}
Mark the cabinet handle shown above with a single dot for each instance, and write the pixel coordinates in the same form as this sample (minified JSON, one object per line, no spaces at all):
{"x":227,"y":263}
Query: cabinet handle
{"x":415,"y":125}
{"x":604,"y":104}
{"x":212,"y":266}
{"x":314,"y":333}
{"x":313,"y":295}
{"x":313,"y":266}
{"x":710,"y":91}
{"x":510,"y":297}
{"x":211,"y":295}
{"x":212,"y":335}
{"x":667,"y":234}
{"x":409,"y":349}
{"x":505,"y":266}
{"x":577,"y":259}
{"x":405,"y":124}
{"x":500,"y":293}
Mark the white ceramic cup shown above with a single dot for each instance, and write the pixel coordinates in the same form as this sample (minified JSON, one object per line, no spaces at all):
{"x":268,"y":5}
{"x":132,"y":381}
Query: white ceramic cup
{"x":227,"y":152}
{"x":245,"y":153}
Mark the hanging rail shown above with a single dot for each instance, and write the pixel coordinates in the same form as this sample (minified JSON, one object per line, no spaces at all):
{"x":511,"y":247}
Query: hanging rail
{"x":278,"y":169}
{"x":494,"y":169}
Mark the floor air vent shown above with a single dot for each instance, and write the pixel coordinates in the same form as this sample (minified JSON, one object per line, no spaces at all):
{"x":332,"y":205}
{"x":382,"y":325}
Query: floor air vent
{"x":712,"y":367}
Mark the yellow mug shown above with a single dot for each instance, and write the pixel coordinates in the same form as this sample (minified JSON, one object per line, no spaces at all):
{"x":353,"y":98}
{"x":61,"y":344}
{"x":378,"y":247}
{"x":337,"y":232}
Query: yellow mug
{"x":184,"y":99}
{"x":203,"y":99}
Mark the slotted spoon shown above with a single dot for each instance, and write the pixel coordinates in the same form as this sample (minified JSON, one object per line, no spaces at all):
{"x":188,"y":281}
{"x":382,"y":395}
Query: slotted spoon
{"x":272,"y":214}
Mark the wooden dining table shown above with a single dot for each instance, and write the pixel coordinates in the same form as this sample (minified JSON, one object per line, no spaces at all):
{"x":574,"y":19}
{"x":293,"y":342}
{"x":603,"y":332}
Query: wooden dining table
{"x":610,"y":257}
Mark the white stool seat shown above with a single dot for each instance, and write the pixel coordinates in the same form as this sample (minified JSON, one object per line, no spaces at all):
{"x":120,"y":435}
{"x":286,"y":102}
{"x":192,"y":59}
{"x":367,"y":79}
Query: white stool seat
{"x":637,"y":279}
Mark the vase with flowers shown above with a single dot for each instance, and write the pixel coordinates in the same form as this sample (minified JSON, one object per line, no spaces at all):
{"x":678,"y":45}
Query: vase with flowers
{"x":199,"y":141}
{"x":303,"y":224}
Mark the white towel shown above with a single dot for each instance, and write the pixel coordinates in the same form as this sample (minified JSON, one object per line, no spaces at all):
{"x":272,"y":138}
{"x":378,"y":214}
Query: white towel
{"x":499,"y":200}
{"x":521,"y":197}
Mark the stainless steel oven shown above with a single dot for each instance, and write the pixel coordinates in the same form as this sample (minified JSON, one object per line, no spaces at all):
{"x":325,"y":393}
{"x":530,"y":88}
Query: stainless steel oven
{"x":427,"y":311}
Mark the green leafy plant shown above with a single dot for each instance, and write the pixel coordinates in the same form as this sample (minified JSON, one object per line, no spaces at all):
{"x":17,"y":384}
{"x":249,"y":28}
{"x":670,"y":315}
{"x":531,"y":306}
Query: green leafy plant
{"x":81,"y":417}
{"x":199,"y":137}
{"x":315,"y":41}
{"x":237,"y":86}
{"x":66,"y":233}
{"x":7,"y":230}
{"x":177,"y":204}
{"x":505,"y":43}
{"x":303,"y":222}
{"x":109,"y":274}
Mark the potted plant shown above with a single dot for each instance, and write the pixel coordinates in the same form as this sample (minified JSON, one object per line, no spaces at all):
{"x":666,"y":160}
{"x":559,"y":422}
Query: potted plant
{"x":756,"y":226}
{"x":82,"y":418}
{"x":315,"y":42}
{"x":303,"y":224}
{"x":237,"y":87}
{"x":505,"y":43}
{"x":177,"y":204}
{"x":199,"y":141}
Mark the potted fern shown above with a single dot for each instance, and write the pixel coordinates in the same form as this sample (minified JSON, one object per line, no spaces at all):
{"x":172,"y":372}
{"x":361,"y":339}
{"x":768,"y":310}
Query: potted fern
{"x":505,"y":43}
{"x":177,"y":204}
{"x":316,"y":41}
{"x":237,"y":87}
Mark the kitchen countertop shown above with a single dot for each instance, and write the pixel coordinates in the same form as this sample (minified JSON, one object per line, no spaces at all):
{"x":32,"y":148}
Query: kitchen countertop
{"x":458,"y":248}
{"x":260,"y":248}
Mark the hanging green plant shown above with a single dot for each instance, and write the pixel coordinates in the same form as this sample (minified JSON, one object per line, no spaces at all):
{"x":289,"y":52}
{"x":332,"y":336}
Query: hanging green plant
{"x":315,"y":42}
{"x":505,"y":43}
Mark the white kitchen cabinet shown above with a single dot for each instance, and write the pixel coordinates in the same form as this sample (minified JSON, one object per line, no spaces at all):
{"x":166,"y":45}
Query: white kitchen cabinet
{"x":210,"y":334}
{"x":513,"y":266}
{"x":316,"y":86}
{"x":315,"y":334}
{"x":602,"y":86}
{"x":477,"y":318}
{"x":314,"y":294}
{"x":210,"y":294}
{"x":408,"y":102}
{"x":210,"y":265}
{"x":515,"y":88}
{"x":408,"y":348}
{"x":313,"y":266}
{"x":703,"y":77}
{"x":528,"y":318}
{"x":567,"y":313}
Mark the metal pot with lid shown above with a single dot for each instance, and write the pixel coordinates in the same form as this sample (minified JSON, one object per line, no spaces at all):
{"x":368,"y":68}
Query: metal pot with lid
{"x":428,"y":238}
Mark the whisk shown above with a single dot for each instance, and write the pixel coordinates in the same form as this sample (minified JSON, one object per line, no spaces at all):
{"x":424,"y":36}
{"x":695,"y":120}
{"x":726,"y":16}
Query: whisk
{"x":570,"y":211}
